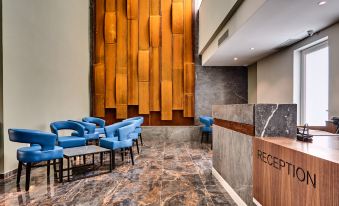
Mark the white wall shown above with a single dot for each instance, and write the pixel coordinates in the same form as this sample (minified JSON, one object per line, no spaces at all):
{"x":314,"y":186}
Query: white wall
{"x":275,"y":72}
{"x":45,"y":65}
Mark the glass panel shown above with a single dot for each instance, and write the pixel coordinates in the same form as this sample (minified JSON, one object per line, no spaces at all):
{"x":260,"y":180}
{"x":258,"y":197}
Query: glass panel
{"x":316,"y":87}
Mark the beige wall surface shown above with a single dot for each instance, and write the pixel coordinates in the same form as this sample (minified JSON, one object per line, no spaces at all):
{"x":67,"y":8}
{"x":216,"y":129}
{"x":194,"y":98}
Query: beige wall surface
{"x":45,"y":65}
{"x":252,"y":84}
{"x":275,"y":73}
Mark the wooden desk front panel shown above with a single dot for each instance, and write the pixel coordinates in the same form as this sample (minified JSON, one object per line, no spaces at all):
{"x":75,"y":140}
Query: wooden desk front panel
{"x":283,"y":176}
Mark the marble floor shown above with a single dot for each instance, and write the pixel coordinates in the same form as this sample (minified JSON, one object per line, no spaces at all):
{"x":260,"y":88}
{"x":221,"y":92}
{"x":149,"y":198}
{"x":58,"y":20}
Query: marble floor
{"x":164,"y":174}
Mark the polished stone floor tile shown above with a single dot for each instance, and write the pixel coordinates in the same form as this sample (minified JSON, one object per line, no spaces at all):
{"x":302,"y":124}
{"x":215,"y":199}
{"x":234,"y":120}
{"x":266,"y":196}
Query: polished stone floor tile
{"x":165,"y":173}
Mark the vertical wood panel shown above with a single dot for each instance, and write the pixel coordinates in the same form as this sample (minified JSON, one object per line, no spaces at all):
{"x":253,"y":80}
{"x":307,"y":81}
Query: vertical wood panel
{"x":99,"y":89}
{"x":132,"y":9}
{"x":155,"y":22}
{"x":188,"y":14}
{"x":133,"y":62}
{"x":178,"y":17}
{"x":166,"y":49}
{"x":189,"y":105}
{"x":189,"y":78}
{"x":110,"y":27}
{"x":178,"y":89}
{"x":110,"y":60}
{"x":144,"y":24}
{"x":143,"y":66}
{"x":110,"y":5}
{"x":178,"y":51}
{"x":155,"y":80}
{"x":143,"y":97}
{"x":99,"y":31}
{"x":166,"y":103}
{"x":155,"y":7}
{"x":121,"y":74}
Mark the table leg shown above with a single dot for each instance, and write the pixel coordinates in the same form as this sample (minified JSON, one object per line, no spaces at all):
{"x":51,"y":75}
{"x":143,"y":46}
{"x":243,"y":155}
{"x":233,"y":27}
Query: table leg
{"x":68,"y":170}
{"x":101,"y":157}
{"x":61,"y":169}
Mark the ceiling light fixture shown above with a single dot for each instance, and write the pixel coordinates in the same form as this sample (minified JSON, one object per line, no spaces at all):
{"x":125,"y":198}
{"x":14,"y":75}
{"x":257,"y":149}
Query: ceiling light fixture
{"x":322,"y":3}
{"x":252,"y":48}
{"x":235,"y":58}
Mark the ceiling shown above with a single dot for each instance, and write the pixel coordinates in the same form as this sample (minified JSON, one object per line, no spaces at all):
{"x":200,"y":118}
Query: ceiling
{"x":275,"y":24}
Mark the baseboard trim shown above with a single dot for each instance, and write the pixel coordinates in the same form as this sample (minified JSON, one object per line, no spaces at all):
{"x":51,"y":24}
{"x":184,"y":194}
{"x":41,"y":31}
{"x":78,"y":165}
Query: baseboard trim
{"x":237,"y":199}
{"x":9,"y":174}
{"x":256,"y":202}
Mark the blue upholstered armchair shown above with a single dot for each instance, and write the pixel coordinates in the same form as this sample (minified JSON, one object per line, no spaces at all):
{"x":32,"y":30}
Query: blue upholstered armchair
{"x":207,"y":128}
{"x":42,"y":149}
{"x":118,"y":137}
{"x":90,"y":133}
{"x":137,"y":133}
{"x":69,"y":141}
{"x":100,"y":123}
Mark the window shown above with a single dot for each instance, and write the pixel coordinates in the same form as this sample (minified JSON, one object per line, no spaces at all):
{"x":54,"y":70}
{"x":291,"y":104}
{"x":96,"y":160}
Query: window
{"x":314,"y":85}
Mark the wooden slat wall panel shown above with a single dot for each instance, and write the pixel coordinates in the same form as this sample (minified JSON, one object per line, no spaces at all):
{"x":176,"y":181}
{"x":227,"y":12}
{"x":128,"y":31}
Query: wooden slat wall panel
{"x":143,"y":66}
{"x":166,"y":103}
{"x":133,"y":48}
{"x":99,"y":31}
{"x":110,"y":60}
{"x":132,"y":9}
{"x":143,"y":97}
{"x":188,"y":33}
{"x":144,"y":7}
{"x":99,"y":89}
{"x":110,"y":27}
{"x":178,"y":17}
{"x":189,"y":79}
{"x":155,"y":7}
{"x":178,"y":51}
{"x":110,"y":5}
{"x":155,"y":22}
{"x":155,"y":80}
{"x":121,"y":68}
{"x":178,"y":89}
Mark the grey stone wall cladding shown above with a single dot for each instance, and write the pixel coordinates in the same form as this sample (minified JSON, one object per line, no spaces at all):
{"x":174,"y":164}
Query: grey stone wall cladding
{"x":216,"y":85}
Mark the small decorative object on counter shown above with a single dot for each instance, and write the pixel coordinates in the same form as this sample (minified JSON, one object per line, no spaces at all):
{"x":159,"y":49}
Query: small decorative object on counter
{"x":303,"y":134}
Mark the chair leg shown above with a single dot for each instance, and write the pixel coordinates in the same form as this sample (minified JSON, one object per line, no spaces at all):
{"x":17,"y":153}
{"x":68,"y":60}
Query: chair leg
{"x":122,"y":154}
{"x":19,"y":173}
{"x":28,"y":176}
{"x":61,"y":170}
{"x":131,"y":152}
{"x":48,"y":168}
{"x":84,"y":158}
{"x":137,"y":142}
{"x":54,"y":168}
{"x":113,"y":159}
{"x":211,"y":141}
{"x":142,"y":144}
{"x":202,"y":137}
{"x":101,"y":158}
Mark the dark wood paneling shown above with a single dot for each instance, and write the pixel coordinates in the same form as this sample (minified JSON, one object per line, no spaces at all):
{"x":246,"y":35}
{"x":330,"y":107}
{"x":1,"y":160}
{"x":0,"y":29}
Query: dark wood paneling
{"x":236,"y":126}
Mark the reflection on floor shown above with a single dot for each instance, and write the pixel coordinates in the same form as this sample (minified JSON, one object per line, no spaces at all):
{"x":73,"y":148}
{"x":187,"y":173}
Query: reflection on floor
{"x":164,"y":174}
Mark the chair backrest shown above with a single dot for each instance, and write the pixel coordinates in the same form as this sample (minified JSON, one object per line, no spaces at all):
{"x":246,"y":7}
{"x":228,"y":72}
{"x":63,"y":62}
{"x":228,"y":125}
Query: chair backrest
{"x":137,"y":121}
{"x":139,"y":118}
{"x":207,"y":121}
{"x":99,"y":122}
{"x":45,"y":139}
{"x":89,"y":127}
{"x":112,"y":130}
{"x":69,"y":125}
{"x":123,"y":132}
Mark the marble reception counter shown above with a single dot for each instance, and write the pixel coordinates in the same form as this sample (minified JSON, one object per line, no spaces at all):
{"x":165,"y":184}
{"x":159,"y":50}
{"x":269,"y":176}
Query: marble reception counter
{"x":233,"y":132}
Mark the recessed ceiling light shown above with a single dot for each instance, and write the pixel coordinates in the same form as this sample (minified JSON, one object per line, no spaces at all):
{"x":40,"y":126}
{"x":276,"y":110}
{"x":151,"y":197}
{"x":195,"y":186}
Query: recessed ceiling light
{"x":235,"y":58}
{"x":322,"y":3}
{"x":252,"y":48}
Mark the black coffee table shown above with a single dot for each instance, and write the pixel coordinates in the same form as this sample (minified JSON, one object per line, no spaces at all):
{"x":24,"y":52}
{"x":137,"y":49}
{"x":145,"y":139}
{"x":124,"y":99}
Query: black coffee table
{"x":86,"y":150}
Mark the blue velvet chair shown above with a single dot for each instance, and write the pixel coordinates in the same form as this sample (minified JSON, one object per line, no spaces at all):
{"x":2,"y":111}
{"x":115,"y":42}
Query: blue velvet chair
{"x":138,"y":128}
{"x":206,"y":130}
{"x":42,"y":148}
{"x":118,"y":137}
{"x":90,"y":134}
{"x":100,"y":123}
{"x":137,"y":133}
{"x":69,"y":141}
